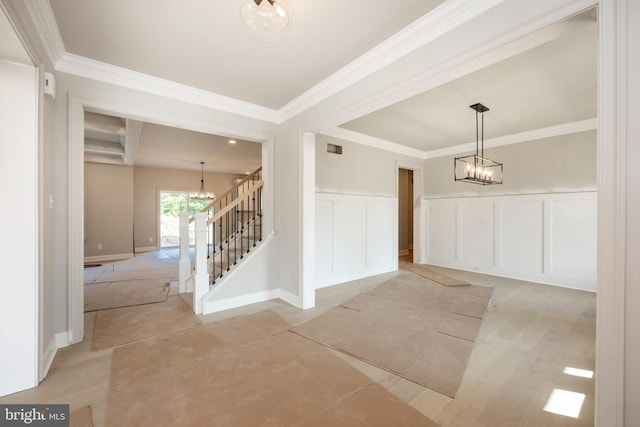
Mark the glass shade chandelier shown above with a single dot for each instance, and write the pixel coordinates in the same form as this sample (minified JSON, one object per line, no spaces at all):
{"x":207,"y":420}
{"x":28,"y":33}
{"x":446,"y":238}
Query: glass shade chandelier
{"x":477,"y":169}
{"x":202,"y":195}
{"x":266,"y":16}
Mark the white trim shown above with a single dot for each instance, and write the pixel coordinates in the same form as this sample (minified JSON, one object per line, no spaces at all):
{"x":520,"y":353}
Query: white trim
{"x":516,"y":138}
{"x":47,"y":357}
{"x":307,"y":289}
{"x":583,"y":280}
{"x":75,"y":215}
{"x":147,"y":249}
{"x":612,"y":140}
{"x":107,"y":73}
{"x":530,"y":135}
{"x":111,"y":257}
{"x":239,"y":301}
{"x":62,"y":339}
{"x":366,"y":270}
{"x":372,"y":141}
{"x":75,"y":220}
{"x":439,"y":21}
{"x":349,"y":276}
{"x":47,"y":28}
{"x":254,"y":298}
{"x":288,"y":297}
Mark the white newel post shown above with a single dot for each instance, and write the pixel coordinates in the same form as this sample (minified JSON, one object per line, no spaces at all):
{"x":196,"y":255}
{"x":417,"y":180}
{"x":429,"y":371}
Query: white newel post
{"x":202,"y":271}
{"x":185,"y":262}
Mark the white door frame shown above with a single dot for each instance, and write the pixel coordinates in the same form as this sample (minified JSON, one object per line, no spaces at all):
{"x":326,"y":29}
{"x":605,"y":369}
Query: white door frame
{"x":75,"y":215}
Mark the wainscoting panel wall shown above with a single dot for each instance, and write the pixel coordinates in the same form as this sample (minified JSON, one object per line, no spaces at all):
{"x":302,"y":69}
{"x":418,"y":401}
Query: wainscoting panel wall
{"x":356,"y":237}
{"x":546,"y":238}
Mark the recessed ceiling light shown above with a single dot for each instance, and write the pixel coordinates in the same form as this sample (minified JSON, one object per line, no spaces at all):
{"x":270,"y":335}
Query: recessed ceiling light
{"x":232,"y":141}
{"x":247,"y":173}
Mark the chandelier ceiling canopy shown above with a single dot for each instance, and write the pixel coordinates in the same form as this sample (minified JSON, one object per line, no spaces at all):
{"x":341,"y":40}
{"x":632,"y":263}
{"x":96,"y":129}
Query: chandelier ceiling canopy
{"x":266,"y":16}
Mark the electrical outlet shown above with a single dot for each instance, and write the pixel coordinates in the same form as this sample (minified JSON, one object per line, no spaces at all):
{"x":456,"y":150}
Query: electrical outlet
{"x":150,"y":239}
{"x":99,"y":245}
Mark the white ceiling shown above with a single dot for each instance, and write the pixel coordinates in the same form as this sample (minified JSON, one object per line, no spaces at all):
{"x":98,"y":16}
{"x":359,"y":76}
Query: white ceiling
{"x":157,"y":148}
{"x":550,"y":84}
{"x":205,"y":43}
{"x":544,"y":80}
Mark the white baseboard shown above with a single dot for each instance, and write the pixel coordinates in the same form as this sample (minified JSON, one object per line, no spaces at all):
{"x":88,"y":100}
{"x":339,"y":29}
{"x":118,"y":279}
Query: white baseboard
{"x":59,"y":340}
{"x":239,"y":301}
{"x":289,"y":298}
{"x":48,"y":356}
{"x":147,"y":249}
{"x":334,"y":279}
{"x":62,"y":339}
{"x":111,"y":257}
{"x":243,"y":300}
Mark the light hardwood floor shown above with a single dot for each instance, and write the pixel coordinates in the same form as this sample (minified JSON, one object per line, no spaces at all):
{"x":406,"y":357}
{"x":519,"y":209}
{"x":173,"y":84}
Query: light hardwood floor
{"x":530,"y":334}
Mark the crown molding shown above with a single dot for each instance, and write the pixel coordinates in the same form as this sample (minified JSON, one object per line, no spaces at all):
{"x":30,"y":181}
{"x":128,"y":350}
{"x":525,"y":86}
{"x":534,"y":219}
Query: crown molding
{"x":439,"y":21}
{"x":371,"y":141}
{"x":123,"y":77}
{"x":46,"y":27}
{"x":515,"y":138}
{"x":394,"y":147}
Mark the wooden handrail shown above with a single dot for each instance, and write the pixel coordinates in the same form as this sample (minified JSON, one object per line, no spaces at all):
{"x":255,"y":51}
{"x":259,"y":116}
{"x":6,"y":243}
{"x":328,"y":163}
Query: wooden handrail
{"x":234,"y":203}
{"x":230,"y":191}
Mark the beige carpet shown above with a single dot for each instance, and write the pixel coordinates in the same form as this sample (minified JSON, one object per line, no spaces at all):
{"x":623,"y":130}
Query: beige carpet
{"x":124,"y":325}
{"x":245,"y":371}
{"x":101,"y":296}
{"x":431,"y":275}
{"x":410,"y":326}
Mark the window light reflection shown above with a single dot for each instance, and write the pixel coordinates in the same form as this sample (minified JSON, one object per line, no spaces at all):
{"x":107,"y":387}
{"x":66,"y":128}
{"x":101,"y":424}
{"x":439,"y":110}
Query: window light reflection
{"x":578,"y":372}
{"x":563,"y":402}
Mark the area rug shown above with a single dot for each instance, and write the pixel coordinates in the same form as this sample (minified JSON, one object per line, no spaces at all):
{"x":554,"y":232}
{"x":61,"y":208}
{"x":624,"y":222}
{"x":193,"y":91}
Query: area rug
{"x":123,"y":325}
{"x":410,"y":326}
{"x":245,"y":371}
{"x":101,"y":296}
{"x":423,"y":271}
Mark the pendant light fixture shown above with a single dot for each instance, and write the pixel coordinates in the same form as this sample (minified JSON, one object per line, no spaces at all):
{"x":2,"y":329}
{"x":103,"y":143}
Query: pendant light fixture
{"x":477,"y":169}
{"x":266,"y":16}
{"x":202,"y":195}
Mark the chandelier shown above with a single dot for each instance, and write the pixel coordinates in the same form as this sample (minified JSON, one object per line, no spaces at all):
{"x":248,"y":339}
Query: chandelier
{"x":477,"y":169}
{"x":202,"y":195}
{"x":267,"y":16}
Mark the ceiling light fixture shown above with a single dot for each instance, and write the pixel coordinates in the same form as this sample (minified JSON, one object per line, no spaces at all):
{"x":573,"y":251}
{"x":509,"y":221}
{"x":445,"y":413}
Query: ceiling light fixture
{"x":202,"y":195}
{"x":266,"y":16}
{"x":232,"y":141}
{"x":477,"y":169}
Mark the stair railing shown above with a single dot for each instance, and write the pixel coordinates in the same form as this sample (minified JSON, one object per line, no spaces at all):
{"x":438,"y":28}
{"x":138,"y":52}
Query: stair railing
{"x":226,"y":230}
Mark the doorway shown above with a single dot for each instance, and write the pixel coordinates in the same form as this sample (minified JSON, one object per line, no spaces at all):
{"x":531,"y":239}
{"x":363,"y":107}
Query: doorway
{"x":405,"y":213}
{"x":172,"y":203}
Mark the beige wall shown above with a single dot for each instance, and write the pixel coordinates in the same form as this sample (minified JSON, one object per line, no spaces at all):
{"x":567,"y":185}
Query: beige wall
{"x":553,"y":165}
{"x":108,"y":212}
{"x":148,"y":182}
{"x":360,"y":169}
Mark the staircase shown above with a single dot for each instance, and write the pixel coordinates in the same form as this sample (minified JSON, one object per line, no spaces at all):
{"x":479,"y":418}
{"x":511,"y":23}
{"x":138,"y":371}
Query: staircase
{"x":226,"y":231}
